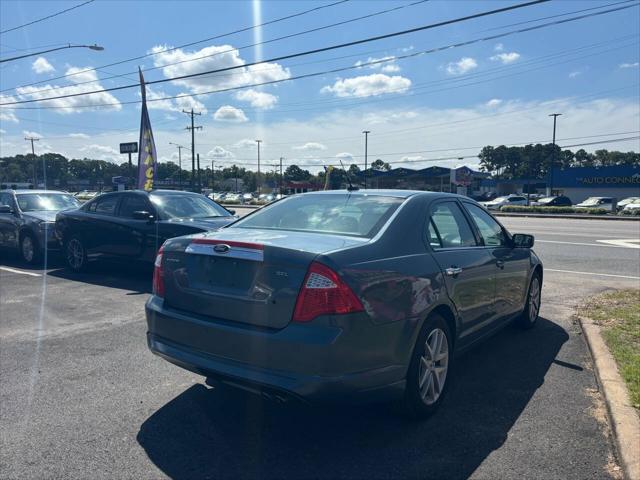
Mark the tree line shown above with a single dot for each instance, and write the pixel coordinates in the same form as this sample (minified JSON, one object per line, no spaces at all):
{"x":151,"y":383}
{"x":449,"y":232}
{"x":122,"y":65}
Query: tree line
{"x":531,"y":161}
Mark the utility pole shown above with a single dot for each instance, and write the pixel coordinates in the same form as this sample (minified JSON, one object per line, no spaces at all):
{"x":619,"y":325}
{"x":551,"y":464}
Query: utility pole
{"x":199,"y":177}
{"x":180,"y":147}
{"x":553,"y":155}
{"x":193,"y":128}
{"x":281,"y":158}
{"x":33,"y":152}
{"x":366,"y":144}
{"x":213,"y":174}
{"x":258,"y":177}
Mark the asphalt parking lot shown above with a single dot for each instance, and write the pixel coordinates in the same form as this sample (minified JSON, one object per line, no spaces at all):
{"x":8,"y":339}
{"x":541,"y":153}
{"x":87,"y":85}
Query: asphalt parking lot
{"x":82,"y":397}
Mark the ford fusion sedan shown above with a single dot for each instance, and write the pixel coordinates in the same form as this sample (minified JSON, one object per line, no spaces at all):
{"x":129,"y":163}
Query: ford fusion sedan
{"x":131,"y":225}
{"x":342,"y":296}
{"x":27,"y":220}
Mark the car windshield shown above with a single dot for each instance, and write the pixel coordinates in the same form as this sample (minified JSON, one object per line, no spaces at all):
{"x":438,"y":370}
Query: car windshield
{"x":591,"y":201}
{"x":187,"y":206}
{"x":499,"y":200}
{"x":546,"y":199}
{"x":344,"y":214}
{"x":46,"y":202}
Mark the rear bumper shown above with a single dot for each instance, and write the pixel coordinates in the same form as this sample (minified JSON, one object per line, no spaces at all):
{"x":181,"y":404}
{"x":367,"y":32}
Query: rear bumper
{"x":257,"y":360}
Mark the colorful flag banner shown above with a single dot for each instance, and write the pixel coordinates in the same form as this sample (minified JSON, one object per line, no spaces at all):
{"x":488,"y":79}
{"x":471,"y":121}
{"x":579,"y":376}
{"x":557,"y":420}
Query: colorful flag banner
{"x":147,"y":158}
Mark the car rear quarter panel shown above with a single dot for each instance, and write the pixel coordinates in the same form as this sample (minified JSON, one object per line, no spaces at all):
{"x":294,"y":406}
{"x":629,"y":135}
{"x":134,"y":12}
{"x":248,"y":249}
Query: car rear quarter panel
{"x":395,"y":275}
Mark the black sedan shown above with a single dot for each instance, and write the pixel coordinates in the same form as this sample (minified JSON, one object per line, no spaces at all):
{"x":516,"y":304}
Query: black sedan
{"x":342,"y":296}
{"x":26,"y":220}
{"x":131,"y":225}
{"x":559,"y":201}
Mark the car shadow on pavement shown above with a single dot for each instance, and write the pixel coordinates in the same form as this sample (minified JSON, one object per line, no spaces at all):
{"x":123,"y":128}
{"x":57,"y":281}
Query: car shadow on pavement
{"x":135,"y":276}
{"x":222,"y":433}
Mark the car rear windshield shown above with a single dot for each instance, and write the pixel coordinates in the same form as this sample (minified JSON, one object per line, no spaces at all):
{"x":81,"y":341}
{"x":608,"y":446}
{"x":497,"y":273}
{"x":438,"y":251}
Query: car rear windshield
{"x":42,"y":202}
{"x":343,"y":214}
{"x":187,"y":206}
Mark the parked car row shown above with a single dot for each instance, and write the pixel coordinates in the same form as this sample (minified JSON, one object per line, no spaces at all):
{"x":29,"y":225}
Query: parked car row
{"x":244,"y":198}
{"x":605,"y":203}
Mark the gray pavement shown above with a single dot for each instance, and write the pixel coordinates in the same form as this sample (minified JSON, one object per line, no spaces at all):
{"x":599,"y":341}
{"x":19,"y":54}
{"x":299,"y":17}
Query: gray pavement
{"x":81,"y":397}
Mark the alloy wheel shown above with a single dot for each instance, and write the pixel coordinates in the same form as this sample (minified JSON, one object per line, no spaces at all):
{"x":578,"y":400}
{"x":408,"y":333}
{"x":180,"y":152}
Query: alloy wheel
{"x":28,"y":249}
{"x":534,"y":299}
{"x":434,"y":364}
{"x":75,"y":254}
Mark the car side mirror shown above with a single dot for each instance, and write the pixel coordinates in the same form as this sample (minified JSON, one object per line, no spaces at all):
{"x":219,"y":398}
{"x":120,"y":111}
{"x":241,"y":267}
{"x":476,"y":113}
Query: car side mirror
{"x":142,"y":215}
{"x":522,"y":240}
{"x":232,"y":212}
{"x":5,"y":209}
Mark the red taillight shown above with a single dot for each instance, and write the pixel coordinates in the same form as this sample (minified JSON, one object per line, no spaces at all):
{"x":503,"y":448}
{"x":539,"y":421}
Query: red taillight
{"x":158,"y":275}
{"x":324,"y":293}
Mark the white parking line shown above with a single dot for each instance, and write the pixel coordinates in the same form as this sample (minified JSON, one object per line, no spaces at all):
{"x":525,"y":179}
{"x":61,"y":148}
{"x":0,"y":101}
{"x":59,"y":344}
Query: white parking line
{"x":591,"y":273}
{"x":13,"y":270}
{"x":624,"y":242}
{"x":585,"y":244}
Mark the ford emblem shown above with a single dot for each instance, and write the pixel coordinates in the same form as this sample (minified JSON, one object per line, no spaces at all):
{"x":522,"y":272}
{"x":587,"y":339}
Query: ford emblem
{"x":221,"y":248}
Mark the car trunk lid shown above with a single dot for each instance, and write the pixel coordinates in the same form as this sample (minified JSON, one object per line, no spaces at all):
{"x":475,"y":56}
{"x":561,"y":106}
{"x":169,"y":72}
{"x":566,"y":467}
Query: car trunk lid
{"x":244,"y":275}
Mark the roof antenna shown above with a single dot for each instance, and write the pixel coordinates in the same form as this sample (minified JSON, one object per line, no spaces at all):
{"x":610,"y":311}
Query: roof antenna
{"x":350,"y":188}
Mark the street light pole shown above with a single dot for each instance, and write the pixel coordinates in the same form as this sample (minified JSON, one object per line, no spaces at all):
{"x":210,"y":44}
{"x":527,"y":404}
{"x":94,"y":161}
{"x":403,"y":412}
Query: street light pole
{"x":281,"y":158}
{"x":366,"y":144}
{"x":258,"y":177}
{"x":91,"y":47}
{"x":553,"y":154}
{"x":33,"y":152}
{"x":180,"y":147}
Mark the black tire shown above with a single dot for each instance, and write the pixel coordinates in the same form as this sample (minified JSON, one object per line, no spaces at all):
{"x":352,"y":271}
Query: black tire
{"x":29,"y":248}
{"x":529,"y":316}
{"x":416,"y":403}
{"x":75,"y":254}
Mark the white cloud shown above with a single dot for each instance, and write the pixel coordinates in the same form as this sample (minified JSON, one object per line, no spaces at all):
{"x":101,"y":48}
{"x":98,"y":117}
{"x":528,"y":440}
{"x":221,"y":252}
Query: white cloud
{"x":310,"y":147}
{"x":227,"y":113}
{"x":505,"y":57}
{"x":41,"y":65}
{"x":72,"y":104}
{"x":388,"y":117}
{"x":499,"y":47}
{"x":78,"y":135}
{"x":629,"y":65}
{"x":345,"y":156}
{"x":575,"y":74}
{"x":257,"y":99}
{"x":172,"y":105}
{"x":388,"y":66}
{"x":187,"y":103}
{"x":102,"y":152}
{"x":368,"y":85}
{"x":219,"y":152}
{"x":494,"y":102}
{"x":462,"y":66}
{"x":245,"y":144}
{"x":412,"y":158}
{"x":214,"y":58}
{"x":3,"y":131}
{"x":28,"y":133}
{"x":99,"y":148}
{"x":7,"y":114}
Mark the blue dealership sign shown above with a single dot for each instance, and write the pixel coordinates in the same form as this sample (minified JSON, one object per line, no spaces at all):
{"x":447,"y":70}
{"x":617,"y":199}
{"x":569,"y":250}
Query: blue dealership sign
{"x":617,"y":176}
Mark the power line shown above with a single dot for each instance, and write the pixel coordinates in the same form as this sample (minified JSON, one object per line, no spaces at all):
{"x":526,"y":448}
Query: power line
{"x":285,"y":37}
{"x":288,"y":17}
{"x":299,"y":54}
{"x":47,"y":17}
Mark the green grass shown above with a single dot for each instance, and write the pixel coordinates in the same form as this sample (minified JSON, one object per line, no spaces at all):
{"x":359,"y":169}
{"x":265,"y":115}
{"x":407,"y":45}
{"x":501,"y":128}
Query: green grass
{"x":618,"y":314}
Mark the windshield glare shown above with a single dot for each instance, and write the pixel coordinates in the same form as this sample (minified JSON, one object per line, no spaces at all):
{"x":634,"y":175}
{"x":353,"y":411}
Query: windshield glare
{"x":343,"y":214}
{"x":46,"y":202}
{"x":187,"y":206}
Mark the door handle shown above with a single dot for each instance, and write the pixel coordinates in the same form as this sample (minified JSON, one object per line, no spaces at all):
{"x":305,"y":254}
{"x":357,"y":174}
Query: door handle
{"x":500,"y":264}
{"x":453,"y":271}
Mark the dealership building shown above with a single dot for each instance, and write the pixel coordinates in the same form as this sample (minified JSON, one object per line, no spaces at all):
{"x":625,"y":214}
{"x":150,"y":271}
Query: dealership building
{"x":580,"y":183}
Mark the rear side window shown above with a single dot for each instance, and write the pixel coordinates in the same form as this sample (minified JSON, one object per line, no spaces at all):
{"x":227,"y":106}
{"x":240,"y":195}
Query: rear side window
{"x":104,"y":206}
{"x":344,"y":214}
{"x":448,"y":227}
{"x":490,"y":231}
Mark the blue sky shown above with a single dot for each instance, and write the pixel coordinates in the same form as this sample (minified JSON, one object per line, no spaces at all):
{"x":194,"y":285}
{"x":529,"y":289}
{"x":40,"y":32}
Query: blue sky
{"x":419,"y":109}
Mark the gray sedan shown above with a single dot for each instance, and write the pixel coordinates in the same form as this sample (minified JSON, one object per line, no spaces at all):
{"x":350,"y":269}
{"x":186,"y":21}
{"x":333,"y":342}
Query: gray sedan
{"x":27,"y":219}
{"x":342,"y":296}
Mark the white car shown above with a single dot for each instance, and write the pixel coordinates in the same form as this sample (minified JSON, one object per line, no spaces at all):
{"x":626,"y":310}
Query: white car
{"x":626,"y":201}
{"x":605,"y":203}
{"x":498,"y":203}
{"x":633,"y":206}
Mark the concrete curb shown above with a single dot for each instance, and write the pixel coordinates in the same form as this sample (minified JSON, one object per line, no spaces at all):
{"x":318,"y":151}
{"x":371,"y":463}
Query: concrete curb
{"x":625,"y":422}
{"x":562,"y":217}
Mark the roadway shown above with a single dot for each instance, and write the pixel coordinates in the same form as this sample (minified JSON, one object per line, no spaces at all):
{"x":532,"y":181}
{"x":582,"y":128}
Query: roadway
{"x":82,"y":397}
